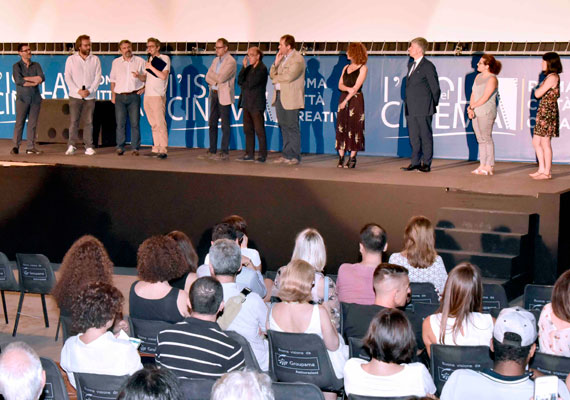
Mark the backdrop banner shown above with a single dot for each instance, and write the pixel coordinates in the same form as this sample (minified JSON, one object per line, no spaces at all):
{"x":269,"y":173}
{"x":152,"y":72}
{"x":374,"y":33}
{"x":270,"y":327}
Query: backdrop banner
{"x":386,"y":133}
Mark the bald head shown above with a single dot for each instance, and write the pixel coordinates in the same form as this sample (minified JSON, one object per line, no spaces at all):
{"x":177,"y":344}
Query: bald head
{"x":391,"y":285}
{"x":21,"y":373}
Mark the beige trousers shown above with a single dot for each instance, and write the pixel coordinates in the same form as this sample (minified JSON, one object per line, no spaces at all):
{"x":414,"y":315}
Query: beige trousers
{"x":155,"y":107}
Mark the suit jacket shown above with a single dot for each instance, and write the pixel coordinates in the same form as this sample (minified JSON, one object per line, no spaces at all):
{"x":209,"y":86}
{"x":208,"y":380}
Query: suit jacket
{"x":225,"y":78}
{"x":253,"y":82}
{"x":422,"y":89}
{"x":291,"y":78}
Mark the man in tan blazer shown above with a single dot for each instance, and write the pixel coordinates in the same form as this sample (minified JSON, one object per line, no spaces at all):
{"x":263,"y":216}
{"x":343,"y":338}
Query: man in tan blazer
{"x":288,"y":75}
{"x":221,"y":78}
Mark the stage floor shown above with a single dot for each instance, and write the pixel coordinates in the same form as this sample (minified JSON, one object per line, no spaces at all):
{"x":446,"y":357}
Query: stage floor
{"x":511,"y":178}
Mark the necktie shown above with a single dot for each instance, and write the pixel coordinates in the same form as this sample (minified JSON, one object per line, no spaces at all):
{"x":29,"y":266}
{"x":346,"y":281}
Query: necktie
{"x":412,"y":69}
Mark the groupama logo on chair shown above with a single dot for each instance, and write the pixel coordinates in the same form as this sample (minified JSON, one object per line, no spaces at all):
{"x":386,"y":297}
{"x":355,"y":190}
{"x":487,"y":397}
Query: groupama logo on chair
{"x":303,"y":362}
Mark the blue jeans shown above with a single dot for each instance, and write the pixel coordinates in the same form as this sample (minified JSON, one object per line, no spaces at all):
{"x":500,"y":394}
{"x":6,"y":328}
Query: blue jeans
{"x":131,"y":104}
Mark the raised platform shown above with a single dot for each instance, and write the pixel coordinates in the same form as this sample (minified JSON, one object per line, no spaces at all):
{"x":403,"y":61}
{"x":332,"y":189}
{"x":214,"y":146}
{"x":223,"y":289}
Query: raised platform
{"x":123,"y":200}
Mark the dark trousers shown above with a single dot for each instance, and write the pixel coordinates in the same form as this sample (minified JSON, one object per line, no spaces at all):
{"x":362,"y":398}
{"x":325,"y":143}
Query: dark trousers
{"x":31,"y":111}
{"x":128,"y":104}
{"x":253,"y":120}
{"x":421,"y":138}
{"x":216,"y":111}
{"x":81,"y":108}
{"x":290,"y":130}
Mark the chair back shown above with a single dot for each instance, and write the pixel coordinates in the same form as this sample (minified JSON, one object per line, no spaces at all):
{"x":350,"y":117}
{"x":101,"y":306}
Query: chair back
{"x":359,"y":397}
{"x":301,"y":357}
{"x":416,"y":313}
{"x":537,"y":296}
{"x":35,"y":272}
{"x":356,"y":349}
{"x":551,"y":365}
{"x":446,"y":359}
{"x":147,"y":331}
{"x":98,"y":387}
{"x":7,"y":279}
{"x":494,"y":298}
{"x":250,"y":359}
{"x":423,"y":292}
{"x":297,"y":390}
{"x":55,"y":385}
{"x":197,"y":389}
{"x":67,"y":326}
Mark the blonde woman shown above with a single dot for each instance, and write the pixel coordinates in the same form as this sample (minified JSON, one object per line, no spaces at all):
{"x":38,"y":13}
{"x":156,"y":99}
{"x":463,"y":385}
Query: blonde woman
{"x":419,"y":256}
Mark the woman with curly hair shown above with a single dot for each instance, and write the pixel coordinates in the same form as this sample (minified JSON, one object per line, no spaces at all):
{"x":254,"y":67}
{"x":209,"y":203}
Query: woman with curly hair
{"x":86,"y":261}
{"x":96,"y":350}
{"x":350,"y":120}
{"x":152,"y":297}
{"x":419,"y":256}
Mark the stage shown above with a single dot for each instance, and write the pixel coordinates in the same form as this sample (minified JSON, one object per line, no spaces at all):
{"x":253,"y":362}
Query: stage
{"x":50,"y":200}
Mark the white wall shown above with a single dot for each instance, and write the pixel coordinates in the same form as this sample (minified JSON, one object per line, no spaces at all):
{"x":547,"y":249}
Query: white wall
{"x":267,"y":20}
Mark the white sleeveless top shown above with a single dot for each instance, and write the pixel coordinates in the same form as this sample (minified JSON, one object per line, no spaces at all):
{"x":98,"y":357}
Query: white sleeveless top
{"x":477,"y":330}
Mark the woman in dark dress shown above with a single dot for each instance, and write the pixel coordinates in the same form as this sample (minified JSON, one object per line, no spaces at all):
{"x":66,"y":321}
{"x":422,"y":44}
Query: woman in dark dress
{"x":547,"y":117}
{"x":350,"y":118}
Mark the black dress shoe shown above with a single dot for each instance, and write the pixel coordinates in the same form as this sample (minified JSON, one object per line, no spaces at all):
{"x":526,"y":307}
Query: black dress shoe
{"x":260,"y":159}
{"x":411,"y":167}
{"x":425,"y":168}
{"x":14,"y":150}
{"x":245,"y":158}
{"x":161,"y":156}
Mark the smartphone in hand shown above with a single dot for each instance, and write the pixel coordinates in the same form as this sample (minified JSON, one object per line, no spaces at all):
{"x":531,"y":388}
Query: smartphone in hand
{"x":546,"y":388}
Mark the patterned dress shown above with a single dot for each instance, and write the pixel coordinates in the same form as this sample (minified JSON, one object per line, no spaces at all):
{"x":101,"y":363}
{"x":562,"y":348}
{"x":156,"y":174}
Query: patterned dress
{"x":350,"y":120}
{"x":547,"y":117}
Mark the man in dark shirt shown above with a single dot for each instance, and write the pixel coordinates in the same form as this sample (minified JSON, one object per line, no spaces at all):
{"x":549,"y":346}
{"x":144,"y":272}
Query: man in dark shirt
{"x":197,"y":347}
{"x":27,"y":75}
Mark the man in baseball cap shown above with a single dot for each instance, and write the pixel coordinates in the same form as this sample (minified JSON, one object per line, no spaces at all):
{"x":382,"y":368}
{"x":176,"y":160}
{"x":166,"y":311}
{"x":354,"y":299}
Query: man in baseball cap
{"x":513,"y":343}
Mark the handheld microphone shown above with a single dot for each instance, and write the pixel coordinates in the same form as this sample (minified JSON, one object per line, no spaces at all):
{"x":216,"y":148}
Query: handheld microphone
{"x":83,"y":88}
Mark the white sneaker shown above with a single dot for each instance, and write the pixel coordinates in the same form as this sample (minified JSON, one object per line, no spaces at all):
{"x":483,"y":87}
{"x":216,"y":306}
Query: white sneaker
{"x":89,"y":151}
{"x":70,"y":150}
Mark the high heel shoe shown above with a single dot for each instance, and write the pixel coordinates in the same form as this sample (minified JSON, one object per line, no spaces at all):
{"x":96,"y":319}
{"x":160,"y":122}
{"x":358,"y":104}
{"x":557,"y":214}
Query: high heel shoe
{"x":340,"y":161}
{"x":351,"y":163}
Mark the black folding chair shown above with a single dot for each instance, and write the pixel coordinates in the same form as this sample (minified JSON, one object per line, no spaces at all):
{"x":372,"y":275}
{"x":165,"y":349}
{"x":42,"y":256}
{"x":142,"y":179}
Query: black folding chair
{"x":98,"y":387}
{"x":298,"y":390}
{"x":494,"y":299}
{"x":551,"y":365}
{"x":66,"y":324}
{"x":359,"y":397}
{"x":446,"y":359}
{"x":250,"y":359}
{"x":197,"y":389}
{"x":537,"y":296}
{"x":423,"y":292}
{"x":356,"y":349}
{"x":55,"y":385}
{"x":301,"y":357}
{"x":36,"y":276}
{"x":147,"y":331}
{"x":417,"y":313}
{"x":7,"y":281}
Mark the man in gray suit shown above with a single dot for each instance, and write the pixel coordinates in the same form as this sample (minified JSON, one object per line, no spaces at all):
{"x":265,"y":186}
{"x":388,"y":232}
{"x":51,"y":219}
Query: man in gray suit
{"x":421,"y":99}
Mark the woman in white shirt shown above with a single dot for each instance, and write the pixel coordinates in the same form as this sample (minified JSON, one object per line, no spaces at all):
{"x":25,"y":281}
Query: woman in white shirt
{"x":96,"y":350}
{"x":391,"y":342}
{"x":460,"y":312}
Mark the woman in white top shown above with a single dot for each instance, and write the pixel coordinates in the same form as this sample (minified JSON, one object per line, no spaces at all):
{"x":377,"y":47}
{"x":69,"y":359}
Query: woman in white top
{"x":96,"y":350}
{"x":391,"y":342}
{"x":554,"y":322}
{"x":460,"y":312}
{"x":419,"y":256}
{"x":295,"y":315}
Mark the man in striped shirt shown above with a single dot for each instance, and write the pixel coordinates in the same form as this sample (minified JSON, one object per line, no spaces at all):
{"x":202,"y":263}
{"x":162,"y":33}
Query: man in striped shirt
{"x":197,"y":347}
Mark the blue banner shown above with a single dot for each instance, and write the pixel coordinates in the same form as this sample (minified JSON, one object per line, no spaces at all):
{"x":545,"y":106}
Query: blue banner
{"x":386,"y":132}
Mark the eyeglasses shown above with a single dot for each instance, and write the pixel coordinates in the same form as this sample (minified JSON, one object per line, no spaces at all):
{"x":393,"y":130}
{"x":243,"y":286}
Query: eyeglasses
{"x":220,"y":47}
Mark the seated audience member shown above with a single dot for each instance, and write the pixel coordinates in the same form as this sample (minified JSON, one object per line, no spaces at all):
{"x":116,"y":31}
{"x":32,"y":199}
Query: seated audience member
{"x":246,"y":312}
{"x":354,"y":282}
{"x":96,"y":350}
{"x":392,"y":344}
{"x":241,"y":385}
{"x":189,"y":254}
{"x":513,"y":344}
{"x":554,"y":321}
{"x":240,"y":226}
{"x":295,"y":314}
{"x":391,"y":288}
{"x":310,"y":247}
{"x":197,"y":347}
{"x":419,"y":255}
{"x":151,"y":384}
{"x":86,"y":261}
{"x":21,"y":373}
{"x":250,"y":276}
{"x":152,"y":297}
{"x":460,"y":312}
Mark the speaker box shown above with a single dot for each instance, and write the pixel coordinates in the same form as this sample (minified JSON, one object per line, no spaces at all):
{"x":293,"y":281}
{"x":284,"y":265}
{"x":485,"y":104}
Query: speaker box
{"x":53,"y":123}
